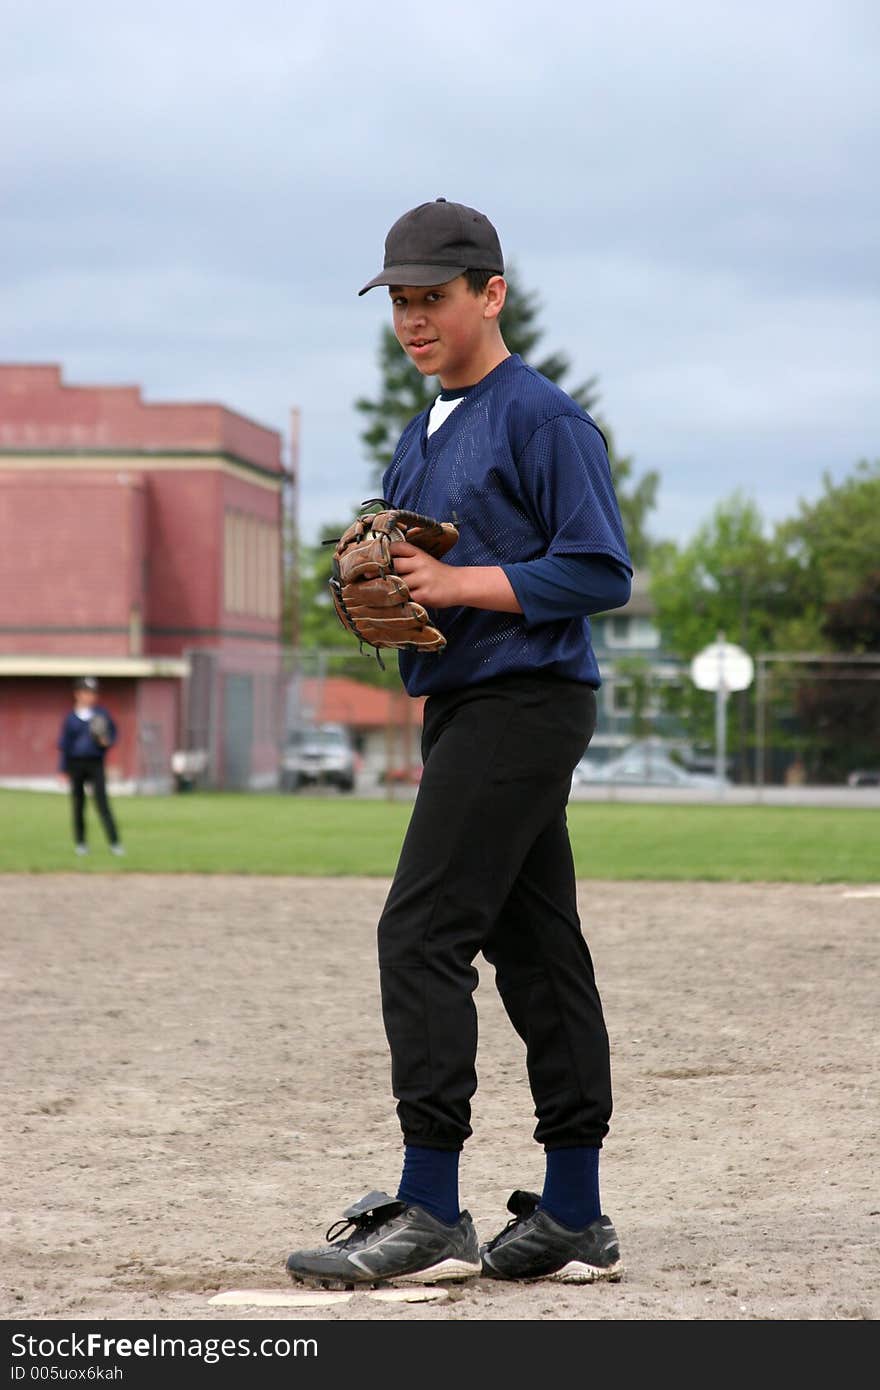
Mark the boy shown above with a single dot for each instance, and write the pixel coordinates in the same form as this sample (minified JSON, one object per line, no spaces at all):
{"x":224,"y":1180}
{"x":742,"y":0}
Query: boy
{"x":86,"y":734}
{"x":486,"y":864}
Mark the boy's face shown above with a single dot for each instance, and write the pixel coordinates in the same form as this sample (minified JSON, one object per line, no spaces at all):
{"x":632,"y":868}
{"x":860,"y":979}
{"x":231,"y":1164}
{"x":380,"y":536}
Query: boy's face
{"x":442,"y":328}
{"x":86,"y":697}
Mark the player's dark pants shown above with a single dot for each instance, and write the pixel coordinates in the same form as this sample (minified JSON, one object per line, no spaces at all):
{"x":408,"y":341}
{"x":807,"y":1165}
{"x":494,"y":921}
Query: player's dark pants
{"x":486,"y":865}
{"x":83,"y":770}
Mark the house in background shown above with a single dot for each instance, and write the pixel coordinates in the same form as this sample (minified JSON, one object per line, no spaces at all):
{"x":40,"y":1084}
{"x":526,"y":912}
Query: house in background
{"x":635,"y":669}
{"x":139,"y":543}
{"x":385,"y":725}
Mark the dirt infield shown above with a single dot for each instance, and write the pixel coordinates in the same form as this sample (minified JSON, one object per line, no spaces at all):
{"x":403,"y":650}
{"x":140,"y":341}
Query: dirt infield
{"x":195,"y":1080}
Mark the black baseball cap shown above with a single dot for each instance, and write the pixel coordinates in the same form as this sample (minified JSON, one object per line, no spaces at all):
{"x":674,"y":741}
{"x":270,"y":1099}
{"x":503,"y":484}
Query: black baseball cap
{"x":85,"y":683}
{"x":435,"y":242}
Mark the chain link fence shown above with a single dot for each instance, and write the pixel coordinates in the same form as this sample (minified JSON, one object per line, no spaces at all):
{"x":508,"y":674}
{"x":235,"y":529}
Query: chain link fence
{"x":332,"y":719}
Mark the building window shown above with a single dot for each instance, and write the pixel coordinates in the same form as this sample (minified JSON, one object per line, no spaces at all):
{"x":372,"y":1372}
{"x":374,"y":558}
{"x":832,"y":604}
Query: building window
{"x":251,"y":550}
{"x":260,"y":557}
{"x":268,"y":583}
{"x":228,"y":581}
{"x":621,"y":698}
{"x":637,"y":634}
{"x":251,"y":557}
{"x":235,"y":563}
{"x":274,"y":548}
{"x":644,"y":634}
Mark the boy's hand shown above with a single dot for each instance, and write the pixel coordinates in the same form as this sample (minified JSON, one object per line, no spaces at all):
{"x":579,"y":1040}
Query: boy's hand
{"x":437,"y":585}
{"x":430,"y":582}
{"x":374,"y":602}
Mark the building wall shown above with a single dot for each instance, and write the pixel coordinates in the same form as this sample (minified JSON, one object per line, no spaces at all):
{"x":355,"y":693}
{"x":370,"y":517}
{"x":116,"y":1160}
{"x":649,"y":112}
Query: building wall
{"x":249,"y":708}
{"x":116,"y":522}
{"x":157,"y":722}
{"x":32,"y":709}
{"x":71,"y":573}
{"x":214,"y":562}
{"x":104,"y":557}
{"x":138,"y":573}
{"x":250,"y":525}
{"x":183,"y":597}
{"x":146,"y":713}
{"x":248,"y":576}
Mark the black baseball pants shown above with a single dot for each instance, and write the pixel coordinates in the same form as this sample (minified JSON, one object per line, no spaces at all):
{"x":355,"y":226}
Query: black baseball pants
{"x":82,"y":771}
{"x":486,"y":865}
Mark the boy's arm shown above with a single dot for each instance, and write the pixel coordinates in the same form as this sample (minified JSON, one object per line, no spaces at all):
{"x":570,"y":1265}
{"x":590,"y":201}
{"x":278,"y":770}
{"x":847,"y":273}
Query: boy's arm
{"x":565,"y":473}
{"x":438,"y":585}
{"x":543,"y":590}
{"x":558,"y":587}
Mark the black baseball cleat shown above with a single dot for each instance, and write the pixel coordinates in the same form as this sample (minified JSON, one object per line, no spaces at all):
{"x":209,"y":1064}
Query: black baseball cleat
{"x":389,"y":1241}
{"x":534,"y":1246}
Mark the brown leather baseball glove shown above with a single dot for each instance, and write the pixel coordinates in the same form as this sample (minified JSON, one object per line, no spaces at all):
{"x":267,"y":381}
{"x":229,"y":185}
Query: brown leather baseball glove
{"x":371,"y":600}
{"x":100,"y":730}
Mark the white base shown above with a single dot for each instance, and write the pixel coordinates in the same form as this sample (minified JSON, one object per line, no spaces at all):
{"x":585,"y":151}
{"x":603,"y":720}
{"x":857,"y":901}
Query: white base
{"x":276,"y":1298}
{"x":321,"y":1298}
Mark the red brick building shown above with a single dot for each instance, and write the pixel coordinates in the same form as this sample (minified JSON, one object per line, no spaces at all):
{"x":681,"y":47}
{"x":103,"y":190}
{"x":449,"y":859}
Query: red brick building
{"x":141,"y":543}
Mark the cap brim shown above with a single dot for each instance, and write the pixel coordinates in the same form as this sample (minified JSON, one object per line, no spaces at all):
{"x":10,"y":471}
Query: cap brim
{"x":415,"y":275}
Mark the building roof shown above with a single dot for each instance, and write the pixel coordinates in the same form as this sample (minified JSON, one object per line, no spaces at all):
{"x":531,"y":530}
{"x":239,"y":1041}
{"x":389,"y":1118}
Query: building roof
{"x":40,"y":412}
{"x":341,"y":700}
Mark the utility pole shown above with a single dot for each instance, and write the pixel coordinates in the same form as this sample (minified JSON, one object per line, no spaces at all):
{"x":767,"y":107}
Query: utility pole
{"x":291,"y":560}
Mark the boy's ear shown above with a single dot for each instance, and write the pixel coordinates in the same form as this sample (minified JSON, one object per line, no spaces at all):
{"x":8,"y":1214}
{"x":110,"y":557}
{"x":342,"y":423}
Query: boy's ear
{"x":496,"y":294}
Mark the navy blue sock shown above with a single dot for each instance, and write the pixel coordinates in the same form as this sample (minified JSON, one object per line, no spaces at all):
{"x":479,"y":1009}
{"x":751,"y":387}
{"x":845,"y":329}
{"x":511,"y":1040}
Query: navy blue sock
{"x":430,"y":1180}
{"x":571,"y":1187}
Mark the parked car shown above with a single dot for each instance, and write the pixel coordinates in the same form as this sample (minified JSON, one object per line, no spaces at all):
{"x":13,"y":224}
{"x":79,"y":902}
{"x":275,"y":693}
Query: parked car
{"x":645,"y":764}
{"x":324,"y":754}
{"x":862,"y":778}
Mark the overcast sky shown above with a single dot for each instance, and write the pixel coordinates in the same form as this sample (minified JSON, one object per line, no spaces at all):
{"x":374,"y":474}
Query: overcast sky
{"x":192,"y":194}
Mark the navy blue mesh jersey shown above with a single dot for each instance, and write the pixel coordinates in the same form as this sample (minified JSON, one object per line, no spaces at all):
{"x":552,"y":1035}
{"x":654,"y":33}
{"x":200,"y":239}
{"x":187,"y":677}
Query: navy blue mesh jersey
{"x":523,"y":472}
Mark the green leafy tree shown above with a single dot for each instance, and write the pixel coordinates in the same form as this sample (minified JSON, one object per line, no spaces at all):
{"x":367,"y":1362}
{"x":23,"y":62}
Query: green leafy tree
{"x":835,"y":541}
{"x":318,"y":623}
{"x":829,"y":551}
{"x":838,"y":705}
{"x":732,"y":577}
{"x":320,"y":628}
{"x":770,"y":591}
{"x":635,"y":672}
{"x":404,"y":392}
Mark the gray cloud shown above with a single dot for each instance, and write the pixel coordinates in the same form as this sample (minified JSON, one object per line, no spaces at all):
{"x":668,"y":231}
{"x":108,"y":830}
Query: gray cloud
{"x":195,"y":193}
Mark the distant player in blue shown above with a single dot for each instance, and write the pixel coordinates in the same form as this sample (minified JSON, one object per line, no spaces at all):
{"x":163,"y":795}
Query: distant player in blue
{"x":87,"y":733}
{"x":486,"y":864}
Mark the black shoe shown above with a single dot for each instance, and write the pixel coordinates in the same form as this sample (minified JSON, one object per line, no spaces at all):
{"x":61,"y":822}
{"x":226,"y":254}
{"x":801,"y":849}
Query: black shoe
{"x":390,"y":1240}
{"x":534,"y":1246}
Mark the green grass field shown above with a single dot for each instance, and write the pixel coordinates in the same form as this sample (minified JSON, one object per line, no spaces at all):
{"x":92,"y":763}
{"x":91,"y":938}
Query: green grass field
{"x":253,"y":834}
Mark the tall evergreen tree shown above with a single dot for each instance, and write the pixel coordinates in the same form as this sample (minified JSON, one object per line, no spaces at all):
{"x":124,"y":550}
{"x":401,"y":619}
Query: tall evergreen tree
{"x":404,"y":392}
